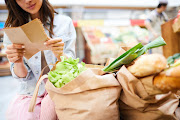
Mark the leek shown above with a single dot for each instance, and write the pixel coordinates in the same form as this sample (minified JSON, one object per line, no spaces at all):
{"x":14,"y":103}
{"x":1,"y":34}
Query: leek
{"x":176,"y":64}
{"x":132,"y":54}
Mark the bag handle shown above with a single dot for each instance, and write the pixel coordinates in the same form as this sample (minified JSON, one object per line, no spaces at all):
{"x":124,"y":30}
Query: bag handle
{"x":35,"y":94}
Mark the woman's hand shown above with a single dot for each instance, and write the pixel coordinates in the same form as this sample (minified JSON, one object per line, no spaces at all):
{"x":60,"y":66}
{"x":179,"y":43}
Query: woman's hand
{"x":56,"y":46}
{"x":15,"y":53}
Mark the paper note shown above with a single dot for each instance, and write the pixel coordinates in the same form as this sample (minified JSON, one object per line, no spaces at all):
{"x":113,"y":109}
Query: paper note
{"x":32,"y":35}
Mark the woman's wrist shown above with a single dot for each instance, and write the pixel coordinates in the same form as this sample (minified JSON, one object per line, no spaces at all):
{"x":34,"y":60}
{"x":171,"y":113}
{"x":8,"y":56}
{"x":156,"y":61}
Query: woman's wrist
{"x":20,"y":69}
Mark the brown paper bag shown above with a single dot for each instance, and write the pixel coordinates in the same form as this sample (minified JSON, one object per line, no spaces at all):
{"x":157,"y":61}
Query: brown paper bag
{"x":90,"y":96}
{"x":138,"y":100}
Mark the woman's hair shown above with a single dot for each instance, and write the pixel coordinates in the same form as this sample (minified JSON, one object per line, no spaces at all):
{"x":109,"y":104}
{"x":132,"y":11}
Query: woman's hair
{"x":17,"y":16}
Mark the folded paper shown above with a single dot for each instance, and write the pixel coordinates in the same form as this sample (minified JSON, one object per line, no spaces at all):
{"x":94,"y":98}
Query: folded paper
{"x":32,"y":35}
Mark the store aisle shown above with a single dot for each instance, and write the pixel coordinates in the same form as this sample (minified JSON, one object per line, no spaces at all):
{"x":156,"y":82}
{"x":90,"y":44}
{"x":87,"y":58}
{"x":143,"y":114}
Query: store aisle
{"x":8,"y":90}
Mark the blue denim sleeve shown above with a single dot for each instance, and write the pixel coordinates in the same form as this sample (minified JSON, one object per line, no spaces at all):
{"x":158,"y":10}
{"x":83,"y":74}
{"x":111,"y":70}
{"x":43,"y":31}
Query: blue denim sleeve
{"x":7,"y":42}
{"x":18,"y":78}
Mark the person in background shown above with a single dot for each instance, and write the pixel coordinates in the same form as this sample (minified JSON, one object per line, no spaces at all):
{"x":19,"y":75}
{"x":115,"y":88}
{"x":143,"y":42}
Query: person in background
{"x":62,"y":38}
{"x":154,"y":21}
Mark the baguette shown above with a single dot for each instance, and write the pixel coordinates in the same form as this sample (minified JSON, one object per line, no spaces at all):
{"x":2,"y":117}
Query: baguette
{"x":168,"y":80}
{"x":148,"y":64}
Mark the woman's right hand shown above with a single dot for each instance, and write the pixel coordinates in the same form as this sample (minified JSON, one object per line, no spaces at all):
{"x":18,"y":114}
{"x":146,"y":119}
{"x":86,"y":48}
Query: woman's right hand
{"x":15,"y":53}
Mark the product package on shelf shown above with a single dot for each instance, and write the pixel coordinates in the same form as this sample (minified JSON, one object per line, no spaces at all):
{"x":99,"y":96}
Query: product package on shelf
{"x":176,"y":25}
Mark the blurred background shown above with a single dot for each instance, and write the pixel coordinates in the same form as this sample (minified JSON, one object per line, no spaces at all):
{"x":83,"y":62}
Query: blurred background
{"x":102,"y":26}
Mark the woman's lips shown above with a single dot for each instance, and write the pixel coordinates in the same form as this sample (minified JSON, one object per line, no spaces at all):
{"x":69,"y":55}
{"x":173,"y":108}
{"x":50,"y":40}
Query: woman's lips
{"x":32,"y":6}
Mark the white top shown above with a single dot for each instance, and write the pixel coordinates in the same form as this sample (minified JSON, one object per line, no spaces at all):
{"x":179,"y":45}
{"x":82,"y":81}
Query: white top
{"x":156,"y":20}
{"x":63,"y":28}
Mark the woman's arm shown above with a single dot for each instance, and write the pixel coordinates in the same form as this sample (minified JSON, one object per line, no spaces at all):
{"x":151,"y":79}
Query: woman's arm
{"x":15,"y":53}
{"x":18,"y":67}
{"x":20,"y":70}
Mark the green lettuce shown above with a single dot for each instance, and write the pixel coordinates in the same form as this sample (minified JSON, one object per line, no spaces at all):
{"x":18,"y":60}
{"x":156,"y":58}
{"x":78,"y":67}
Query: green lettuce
{"x":65,"y":71}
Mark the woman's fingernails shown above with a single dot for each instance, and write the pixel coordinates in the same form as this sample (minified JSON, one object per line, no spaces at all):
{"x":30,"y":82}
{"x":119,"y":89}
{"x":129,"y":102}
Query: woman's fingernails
{"x":45,"y":43}
{"x":23,"y":46}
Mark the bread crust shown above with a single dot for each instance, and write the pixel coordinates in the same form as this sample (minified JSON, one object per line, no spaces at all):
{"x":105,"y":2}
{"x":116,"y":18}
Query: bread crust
{"x":148,"y":64}
{"x":173,"y":72}
{"x":168,"y":80}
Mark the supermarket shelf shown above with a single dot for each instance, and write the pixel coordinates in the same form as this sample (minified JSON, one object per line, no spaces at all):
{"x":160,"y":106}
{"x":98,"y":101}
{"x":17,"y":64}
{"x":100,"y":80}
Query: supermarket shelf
{"x":5,"y":74}
{"x":5,"y":69}
{"x":1,"y":45}
{"x":83,"y":23}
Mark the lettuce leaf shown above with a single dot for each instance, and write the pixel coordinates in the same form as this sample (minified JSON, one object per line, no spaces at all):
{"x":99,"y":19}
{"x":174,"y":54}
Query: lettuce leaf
{"x":65,"y":71}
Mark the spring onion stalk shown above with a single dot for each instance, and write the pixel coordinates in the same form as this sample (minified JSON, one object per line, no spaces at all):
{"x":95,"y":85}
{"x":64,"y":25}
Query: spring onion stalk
{"x":156,"y":43}
{"x":132,"y":54}
{"x":176,"y":64}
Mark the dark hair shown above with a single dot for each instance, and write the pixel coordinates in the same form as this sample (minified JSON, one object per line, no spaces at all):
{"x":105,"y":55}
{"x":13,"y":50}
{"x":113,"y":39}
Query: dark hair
{"x":17,"y":16}
{"x":162,"y":4}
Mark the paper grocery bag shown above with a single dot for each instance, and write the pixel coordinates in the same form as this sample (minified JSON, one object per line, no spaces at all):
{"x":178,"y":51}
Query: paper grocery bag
{"x":32,"y":35}
{"x":90,"y":96}
{"x":140,"y":100}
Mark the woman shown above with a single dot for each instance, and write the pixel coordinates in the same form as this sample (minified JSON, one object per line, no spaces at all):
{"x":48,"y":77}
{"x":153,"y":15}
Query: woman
{"x":62,"y":40}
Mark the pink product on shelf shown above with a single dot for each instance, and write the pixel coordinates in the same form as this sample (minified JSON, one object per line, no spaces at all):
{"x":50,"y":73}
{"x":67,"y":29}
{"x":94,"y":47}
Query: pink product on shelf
{"x":178,"y":15}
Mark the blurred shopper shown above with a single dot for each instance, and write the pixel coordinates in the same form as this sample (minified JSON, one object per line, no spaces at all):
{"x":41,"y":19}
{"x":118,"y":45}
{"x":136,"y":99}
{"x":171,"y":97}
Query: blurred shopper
{"x":154,"y":21}
{"x":62,"y":38}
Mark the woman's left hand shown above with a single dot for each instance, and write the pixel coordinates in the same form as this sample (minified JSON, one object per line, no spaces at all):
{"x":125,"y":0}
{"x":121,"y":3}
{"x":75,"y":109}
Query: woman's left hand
{"x":57,"y":46}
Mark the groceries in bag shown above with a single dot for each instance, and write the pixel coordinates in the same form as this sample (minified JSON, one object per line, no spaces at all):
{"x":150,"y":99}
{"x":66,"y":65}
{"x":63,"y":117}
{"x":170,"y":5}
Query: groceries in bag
{"x":132,"y":54}
{"x":148,"y":64}
{"x":172,"y":59}
{"x":169,"y":79}
{"x":65,"y":71}
{"x":82,"y":93}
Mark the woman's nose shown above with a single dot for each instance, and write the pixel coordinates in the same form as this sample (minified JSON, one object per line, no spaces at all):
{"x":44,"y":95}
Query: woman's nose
{"x":27,"y":1}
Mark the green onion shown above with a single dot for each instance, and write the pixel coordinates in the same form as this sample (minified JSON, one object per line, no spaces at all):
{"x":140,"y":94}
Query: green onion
{"x":156,"y":43}
{"x":176,"y":64}
{"x":132,"y":54}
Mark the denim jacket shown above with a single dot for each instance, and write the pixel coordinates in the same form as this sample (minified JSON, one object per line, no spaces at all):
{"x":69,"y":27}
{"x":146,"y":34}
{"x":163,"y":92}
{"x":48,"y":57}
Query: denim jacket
{"x":64,"y":29}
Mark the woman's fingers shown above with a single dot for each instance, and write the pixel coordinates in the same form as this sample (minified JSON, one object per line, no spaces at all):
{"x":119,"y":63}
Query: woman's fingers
{"x":58,"y":52}
{"x":11,"y":51}
{"x":15,"y":54}
{"x":57,"y":48}
{"x":16,"y":46}
{"x":59,"y":44}
{"x":52,"y":41}
{"x":14,"y":59}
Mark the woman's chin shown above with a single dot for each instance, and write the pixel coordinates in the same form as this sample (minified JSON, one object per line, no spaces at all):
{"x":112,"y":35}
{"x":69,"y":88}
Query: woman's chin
{"x":33,"y":12}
